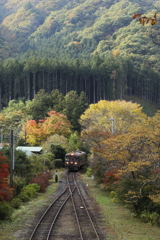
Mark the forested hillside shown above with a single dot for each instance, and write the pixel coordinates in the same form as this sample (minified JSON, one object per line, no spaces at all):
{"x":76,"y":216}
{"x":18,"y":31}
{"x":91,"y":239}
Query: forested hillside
{"x":85,"y":45}
{"x":78,"y":29}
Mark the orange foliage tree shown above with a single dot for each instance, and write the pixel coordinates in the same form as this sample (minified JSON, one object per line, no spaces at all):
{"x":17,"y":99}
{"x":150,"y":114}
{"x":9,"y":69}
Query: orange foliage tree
{"x":145,"y":20}
{"x":6,"y":193}
{"x":132,"y":153}
{"x":56,"y":123}
{"x":135,"y":155}
{"x":33,"y":132}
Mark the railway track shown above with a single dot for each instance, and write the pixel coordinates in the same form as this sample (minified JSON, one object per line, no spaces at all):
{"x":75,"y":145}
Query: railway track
{"x":67,"y":217}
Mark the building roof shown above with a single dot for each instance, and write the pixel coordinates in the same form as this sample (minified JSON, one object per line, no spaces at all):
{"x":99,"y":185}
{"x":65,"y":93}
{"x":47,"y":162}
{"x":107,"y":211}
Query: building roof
{"x":28,"y":153}
{"x":29,"y":149}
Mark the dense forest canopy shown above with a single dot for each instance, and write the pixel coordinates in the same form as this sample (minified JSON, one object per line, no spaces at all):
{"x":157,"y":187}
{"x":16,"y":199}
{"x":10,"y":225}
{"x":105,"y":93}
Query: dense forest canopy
{"x":87,"y":46}
{"x":78,"y":29}
{"x":99,"y":78}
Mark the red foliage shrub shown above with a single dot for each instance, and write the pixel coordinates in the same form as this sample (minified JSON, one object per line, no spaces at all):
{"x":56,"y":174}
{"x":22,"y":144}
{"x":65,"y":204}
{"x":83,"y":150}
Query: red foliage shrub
{"x":42,"y":180}
{"x":6,"y":193}
{"x":110,"y":181}
{"x":156,"y":171}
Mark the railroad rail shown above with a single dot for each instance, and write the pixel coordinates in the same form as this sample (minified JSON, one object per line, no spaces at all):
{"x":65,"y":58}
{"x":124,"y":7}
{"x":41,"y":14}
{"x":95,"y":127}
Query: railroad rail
{"x":68,"y":207}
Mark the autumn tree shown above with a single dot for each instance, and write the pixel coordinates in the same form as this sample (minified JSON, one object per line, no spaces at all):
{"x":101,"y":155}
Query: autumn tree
{"x":56,"y":123}
{"x":143,"y":19}
{"x":32,"y":133}
{"x":130,"y":152}
{"x":97,"y":119}
{"x":134,"y":156}
{"x":97,"y":122}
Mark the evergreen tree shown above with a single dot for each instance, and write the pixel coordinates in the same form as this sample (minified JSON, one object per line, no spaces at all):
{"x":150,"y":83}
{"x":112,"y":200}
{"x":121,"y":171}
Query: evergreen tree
{"x":40,"y":105}
{"x":75,"y":106}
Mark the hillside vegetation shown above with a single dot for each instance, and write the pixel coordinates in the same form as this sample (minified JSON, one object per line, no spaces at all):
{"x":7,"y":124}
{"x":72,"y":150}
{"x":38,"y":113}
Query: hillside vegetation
{"x":78,"y":29}
{"x":87,"y":46}
{"x":148,"y":108}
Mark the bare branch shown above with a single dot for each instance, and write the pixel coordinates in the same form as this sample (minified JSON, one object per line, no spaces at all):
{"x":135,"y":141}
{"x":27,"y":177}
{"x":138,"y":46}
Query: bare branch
{"x":148,"y":182}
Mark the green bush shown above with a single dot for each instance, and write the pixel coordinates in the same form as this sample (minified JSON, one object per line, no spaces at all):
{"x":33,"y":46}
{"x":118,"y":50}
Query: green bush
{"x":24,"y":197}
{"x":114,"y":196}
{"x":154,"y":218}
{"x":16,"y":203}
{"x":34,"y":186}
{"x":151,"y":218}
{"x":29,"y":191}
{"x":5,"y":210}
{"x":58,"y":163}
{"x":19,"y":183}
{"x":89,"y":172}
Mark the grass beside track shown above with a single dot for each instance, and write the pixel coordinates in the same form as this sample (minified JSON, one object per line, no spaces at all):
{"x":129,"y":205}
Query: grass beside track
{"x":119,"y":223}
{"x":12,"y":230}
{"x":119,"y":218}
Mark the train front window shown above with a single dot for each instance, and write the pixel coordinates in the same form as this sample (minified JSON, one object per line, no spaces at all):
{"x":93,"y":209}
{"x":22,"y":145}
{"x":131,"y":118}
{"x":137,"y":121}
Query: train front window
{"x":72,"y":160}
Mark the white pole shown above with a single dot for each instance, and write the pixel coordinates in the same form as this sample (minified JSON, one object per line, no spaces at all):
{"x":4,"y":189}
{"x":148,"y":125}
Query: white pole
{"x":112,"y":130}
{"x":1,"y":135}
{"x":44,"y":162}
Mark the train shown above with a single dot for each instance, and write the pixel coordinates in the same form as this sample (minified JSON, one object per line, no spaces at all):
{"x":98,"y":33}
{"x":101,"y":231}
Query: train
{"x":75,"y":160}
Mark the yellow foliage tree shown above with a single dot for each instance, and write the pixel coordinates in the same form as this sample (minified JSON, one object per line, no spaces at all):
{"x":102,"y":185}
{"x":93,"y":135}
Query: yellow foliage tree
{"x":97,"y":118}
{"x":33,"y":133}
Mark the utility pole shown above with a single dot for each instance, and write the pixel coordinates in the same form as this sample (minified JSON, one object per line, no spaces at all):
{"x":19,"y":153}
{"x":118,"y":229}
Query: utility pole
{"x":112,"y":119}
{"x":12,"y":159}
{"x":25,"y":133}
{"x":44,"y":162}
{"x":1,"y":135}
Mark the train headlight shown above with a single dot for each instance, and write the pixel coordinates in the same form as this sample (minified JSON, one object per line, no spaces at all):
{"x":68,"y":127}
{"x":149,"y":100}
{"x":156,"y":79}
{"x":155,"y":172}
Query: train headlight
{"x":75,"y":163}
{"x":67,"y":162}
{"x":71,"y":162}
